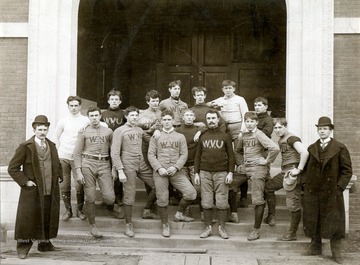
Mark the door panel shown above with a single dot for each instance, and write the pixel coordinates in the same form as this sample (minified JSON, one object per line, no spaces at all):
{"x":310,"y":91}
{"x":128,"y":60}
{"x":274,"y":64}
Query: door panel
{"x":197,"y":59}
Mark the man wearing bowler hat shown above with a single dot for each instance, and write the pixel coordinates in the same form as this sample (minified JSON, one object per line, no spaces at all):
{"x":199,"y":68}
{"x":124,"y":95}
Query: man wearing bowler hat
{"x":36,"y":168}
{"x":328,"y":173}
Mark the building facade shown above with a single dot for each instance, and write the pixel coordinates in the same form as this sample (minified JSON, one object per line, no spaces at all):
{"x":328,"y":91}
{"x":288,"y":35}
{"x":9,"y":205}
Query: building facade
{"x":40,"y":58}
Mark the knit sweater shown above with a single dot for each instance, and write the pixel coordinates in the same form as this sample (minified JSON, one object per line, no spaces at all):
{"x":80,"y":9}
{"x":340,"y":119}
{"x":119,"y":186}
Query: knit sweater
{"x":214,"y":152}
{"x":252,"y":146}
{"x":66,"y":133}
{"x":169,"y":150}
{"x":127,"y":141}
{"x":114,"y":118}
{"x":92,"y":141}
{"x":176,"y":106}
{"x":265,"y":124}
{"x":189,"y":132}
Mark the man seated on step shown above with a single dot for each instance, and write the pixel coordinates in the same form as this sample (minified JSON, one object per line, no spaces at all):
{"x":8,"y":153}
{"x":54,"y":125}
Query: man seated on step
{"x":127,"y":158}
{"x":254,"y":154}
{"x":293,"y":159}
{"x":167,"y":156}
{"x":214,"y":167}
{"x":92,"y":164}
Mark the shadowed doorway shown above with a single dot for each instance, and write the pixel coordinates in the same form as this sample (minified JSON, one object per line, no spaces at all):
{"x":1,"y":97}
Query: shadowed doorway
{"x":136,"y":46}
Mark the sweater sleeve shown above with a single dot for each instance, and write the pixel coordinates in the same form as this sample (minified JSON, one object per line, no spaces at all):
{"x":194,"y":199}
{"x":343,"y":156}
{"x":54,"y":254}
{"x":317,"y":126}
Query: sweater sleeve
{"x":239,"y":152}
{"x":198,"y":157}
{"x":152,"y":155}
{"x":116,"y":148}
{"x":57,"y":133}
{"x":267,"y":143}
{"x":243,"y":108}
{"x":183,"y":153}
{"x":79,"y":145}
{"x":230,"y":152}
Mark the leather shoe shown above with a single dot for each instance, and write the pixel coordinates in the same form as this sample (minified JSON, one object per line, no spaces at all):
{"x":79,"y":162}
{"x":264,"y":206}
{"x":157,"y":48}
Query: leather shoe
{"x":47,"y":246}
{"x":80,"y":214}
{"x":67,"y":215}
{"x":23,"y":249}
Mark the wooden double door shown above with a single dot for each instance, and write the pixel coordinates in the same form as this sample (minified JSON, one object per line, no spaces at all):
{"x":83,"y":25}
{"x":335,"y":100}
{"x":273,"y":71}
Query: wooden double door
{"x":200,"y":58}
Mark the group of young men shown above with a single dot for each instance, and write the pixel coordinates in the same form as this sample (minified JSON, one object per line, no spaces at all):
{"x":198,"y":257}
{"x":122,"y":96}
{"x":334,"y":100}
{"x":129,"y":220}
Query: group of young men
{"x":208,"y":153}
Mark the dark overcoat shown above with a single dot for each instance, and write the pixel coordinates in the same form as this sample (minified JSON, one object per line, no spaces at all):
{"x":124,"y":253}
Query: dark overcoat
{"x":24,"y":166}
{"x":324,"y":183}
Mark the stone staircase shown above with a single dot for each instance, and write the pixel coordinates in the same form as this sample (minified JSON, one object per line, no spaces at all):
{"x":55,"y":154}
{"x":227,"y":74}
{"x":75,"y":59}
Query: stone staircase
{"x":184,"y":236}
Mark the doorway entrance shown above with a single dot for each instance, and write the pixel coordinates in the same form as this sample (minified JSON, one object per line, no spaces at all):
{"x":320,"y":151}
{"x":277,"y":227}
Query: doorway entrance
{"x":136,"y":46}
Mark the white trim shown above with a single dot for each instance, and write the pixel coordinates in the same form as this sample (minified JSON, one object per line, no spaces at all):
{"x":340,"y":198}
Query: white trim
{"x":309,"y":65}
{"x":14,"y":30}
{"x":347,"y":25}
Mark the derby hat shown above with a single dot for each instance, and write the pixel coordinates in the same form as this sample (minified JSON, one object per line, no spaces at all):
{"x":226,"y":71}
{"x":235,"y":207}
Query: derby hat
{"x":289,"y":182}
{"x":325,"y":121}
{"x":41,"y":119}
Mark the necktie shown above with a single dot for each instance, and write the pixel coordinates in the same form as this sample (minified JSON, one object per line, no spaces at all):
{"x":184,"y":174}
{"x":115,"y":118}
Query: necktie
{"x":323,"y":145}
{"x":43,"y":145}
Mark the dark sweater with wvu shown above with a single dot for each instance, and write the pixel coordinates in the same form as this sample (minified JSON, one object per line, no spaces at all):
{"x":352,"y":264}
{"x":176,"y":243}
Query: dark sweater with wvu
{"x":215,"y":152}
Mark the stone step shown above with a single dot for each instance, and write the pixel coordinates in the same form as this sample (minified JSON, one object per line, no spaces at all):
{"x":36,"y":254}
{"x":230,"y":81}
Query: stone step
{"x":244,"y":214}
{"x":108,"y":224}
{"x":176,"y":242}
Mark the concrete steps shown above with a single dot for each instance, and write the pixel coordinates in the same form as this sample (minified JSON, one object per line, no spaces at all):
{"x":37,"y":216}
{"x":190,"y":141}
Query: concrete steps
{"x":183,"y":235}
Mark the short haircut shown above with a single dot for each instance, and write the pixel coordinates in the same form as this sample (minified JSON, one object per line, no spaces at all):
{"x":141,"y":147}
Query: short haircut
{"x":228,"y":83}
{"x":198,"y":89}
{"x":252,"y":115}
{"x":212,"y":112}
{"x":281,"y":121}
{"x":189,"y":110}
{"x":167,"y":112}
{"x":263,"y":100}
{"x":175,"y":83}
{"x":72,"y":98}
{"x":92,"y":109}
{"x":152,"y":94}
{"x":130,"y":109}
{"x":114,"y":92}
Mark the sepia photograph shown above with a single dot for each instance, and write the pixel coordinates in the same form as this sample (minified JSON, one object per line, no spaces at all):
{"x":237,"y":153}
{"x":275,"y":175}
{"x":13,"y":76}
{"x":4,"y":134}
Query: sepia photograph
{"x":153,"y":132}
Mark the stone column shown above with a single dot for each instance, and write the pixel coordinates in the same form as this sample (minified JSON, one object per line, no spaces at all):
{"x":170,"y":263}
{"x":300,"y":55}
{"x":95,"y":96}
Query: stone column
{"x":52,"y":31}
{"x":309,"y":76}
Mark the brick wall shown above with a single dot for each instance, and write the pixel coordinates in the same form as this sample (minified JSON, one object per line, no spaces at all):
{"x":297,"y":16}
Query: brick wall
{"x":347,"y":8}
{"x":347,"y":107}
{"x":13,"y":77}
{"x":14,"y":10}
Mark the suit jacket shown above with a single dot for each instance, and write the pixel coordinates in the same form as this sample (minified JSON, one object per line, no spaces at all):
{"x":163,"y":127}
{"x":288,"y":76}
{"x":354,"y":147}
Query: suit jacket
{"x":324,"y":183}
{"x":24,"y":166}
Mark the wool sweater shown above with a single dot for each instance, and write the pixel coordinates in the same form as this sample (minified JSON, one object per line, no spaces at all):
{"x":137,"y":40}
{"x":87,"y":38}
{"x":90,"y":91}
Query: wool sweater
{"x":214,"y":152}
{"x":114,"y":118}
{"x":66,"y":133}
{"x":176,"y":106}
{"x":169,"y":150}
{"x":189,"y":132}
{"x":265,"y":124}
{"x":127,"y":142}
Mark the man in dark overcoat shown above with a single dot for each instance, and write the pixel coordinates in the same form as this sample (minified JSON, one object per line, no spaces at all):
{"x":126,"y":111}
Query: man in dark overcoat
{"x":328,"y":172}
{"x":36,"y":168}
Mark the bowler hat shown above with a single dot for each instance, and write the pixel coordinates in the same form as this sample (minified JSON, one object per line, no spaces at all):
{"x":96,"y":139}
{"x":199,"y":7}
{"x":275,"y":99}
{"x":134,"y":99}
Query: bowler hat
{"x":325,"y":121}
{"x":289,"y":182}
{"x":41,"y":119}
